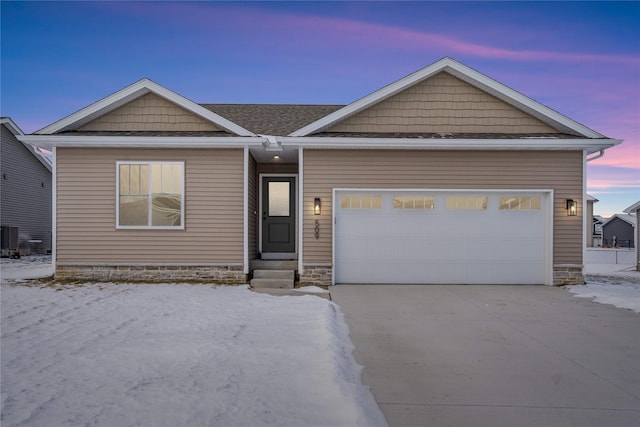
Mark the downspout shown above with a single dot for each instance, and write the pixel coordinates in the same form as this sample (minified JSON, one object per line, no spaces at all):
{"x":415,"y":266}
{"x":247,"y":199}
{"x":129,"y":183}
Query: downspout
{"x":600,"y":154}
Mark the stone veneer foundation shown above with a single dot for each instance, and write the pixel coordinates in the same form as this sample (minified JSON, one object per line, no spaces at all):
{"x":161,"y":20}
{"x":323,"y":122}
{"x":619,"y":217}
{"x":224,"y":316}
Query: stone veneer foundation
{"x":313,"y":275}
{"x":316,"y":275}
{"x":567,"y":274}
{"x":226,"y":275}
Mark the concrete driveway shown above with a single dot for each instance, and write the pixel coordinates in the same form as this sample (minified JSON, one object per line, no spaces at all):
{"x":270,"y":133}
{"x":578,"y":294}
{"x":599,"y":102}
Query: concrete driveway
{"x":494,"y":355}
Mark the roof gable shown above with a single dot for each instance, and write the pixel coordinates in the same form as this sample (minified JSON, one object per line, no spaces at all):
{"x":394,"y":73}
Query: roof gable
{"x":126,"y":96}
{"x":150,"y":112}
{"x":442,"y":104}
{"x":629,"y":219}
{"x":534,"y":109}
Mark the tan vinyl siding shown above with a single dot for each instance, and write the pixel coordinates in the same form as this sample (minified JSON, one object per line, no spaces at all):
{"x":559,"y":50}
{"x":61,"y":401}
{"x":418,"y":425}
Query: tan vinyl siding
{"x":86,"y":200}
{"x":150,"y":112}
{"x":253,"y":208}
{"x":560,"y":171}
{"x":442,"y":103}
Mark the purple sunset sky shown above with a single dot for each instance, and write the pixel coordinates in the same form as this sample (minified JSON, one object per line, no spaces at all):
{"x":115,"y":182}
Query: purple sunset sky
{"x":579,"y":58}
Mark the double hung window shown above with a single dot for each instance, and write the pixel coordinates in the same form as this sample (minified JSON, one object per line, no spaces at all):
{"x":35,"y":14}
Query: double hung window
{"x":150,"y":195}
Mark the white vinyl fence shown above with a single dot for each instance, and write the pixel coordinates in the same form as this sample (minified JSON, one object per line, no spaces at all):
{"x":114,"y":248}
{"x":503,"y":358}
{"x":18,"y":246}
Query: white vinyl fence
{"x":610,"y":256}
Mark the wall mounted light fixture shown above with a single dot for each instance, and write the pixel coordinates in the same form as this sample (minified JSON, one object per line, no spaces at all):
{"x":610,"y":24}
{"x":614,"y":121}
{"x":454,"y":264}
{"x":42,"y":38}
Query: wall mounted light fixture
{"x":572,"y":207}
{"x":316,"y":206}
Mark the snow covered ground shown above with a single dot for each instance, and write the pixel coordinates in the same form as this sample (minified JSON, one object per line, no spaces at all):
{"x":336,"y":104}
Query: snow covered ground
{"x":191,"y":355}
{"x":173,"y":355}
{"x":614,"y":284}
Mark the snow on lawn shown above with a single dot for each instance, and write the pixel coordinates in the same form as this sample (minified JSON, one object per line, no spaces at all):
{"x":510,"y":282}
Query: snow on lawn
{"x":29,"y":267}
{"x":176,"y":355}
{"x":622,"y":292}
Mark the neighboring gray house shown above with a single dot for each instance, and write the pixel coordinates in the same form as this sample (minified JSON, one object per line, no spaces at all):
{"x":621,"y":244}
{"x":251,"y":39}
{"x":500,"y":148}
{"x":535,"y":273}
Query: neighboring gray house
{"x":635,"y":210}
{"x":619,"y":230}
{"x":26,"y":194}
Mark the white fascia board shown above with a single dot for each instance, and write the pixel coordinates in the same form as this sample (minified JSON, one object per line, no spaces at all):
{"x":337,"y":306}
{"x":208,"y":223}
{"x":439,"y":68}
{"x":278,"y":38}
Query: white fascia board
{"x":131,"y":92}
{"x":591,"y":145}
{"x":467,"y":74}
{"x":49,"y":141}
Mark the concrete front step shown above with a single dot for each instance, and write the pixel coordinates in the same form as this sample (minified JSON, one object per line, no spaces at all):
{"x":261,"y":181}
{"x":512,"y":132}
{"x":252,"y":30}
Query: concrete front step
{"x":274,"y":274}
{"x":272,"y":283}
{"x":268,"y":264}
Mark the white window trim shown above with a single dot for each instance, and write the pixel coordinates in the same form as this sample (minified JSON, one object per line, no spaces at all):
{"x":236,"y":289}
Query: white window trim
{"x":149,"y":227}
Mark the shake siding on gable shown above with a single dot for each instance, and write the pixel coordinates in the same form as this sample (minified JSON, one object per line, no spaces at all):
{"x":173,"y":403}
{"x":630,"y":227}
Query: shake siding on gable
{"x":150,"y":112}
{"x":442,"y":103}
{"x":560,"y":171}
{"x":86,"y":210}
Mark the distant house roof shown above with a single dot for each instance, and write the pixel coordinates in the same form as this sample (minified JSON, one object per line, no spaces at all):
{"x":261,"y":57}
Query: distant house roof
{"x":630,"y":219}
{"x":16,"y":131}
{"x":591,"y":198}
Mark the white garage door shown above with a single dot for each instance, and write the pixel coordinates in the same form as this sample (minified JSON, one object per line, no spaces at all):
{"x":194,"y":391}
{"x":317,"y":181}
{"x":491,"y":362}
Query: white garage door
{"x":445,"y":237}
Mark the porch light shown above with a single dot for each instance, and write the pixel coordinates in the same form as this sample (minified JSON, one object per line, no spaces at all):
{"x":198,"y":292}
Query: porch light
{"x":572,"y":207}
{"x":316,"y":206}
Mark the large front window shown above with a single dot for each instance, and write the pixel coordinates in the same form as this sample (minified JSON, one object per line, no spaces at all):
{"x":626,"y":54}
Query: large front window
{"x":150,"y":195}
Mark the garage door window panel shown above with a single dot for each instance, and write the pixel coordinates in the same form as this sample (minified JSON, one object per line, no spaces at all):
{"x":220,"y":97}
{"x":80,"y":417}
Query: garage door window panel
{"x":417,"y":202}
{"x":357,"y":201}
{"x":466,"y":203}
{"x":519,"y":203}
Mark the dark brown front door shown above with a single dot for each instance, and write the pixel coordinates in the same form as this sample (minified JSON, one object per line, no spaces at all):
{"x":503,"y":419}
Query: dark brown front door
{"x":278,"y":215}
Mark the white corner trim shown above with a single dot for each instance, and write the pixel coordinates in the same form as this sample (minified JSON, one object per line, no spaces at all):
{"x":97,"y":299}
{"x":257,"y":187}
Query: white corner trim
{"x":54,"y":209}
{"x":585,"y":206}
{"x":245,"y":216}
{"x":131,"y":92}
{"x":465,"y":73}
{"x":300,"y":210}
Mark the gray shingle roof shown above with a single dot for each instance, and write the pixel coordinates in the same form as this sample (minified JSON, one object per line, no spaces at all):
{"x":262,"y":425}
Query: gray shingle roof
{"x":272,"y":119}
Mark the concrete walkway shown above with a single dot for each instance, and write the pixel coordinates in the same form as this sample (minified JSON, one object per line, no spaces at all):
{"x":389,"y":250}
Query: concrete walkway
{"x":494,"y":355}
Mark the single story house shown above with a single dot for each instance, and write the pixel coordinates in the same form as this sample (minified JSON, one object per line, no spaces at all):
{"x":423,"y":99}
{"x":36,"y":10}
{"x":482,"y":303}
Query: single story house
{"x":25,"y":191}
{"x":444,"y":176}
{"x":635,"y":210}
{"x":619,"y":231}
